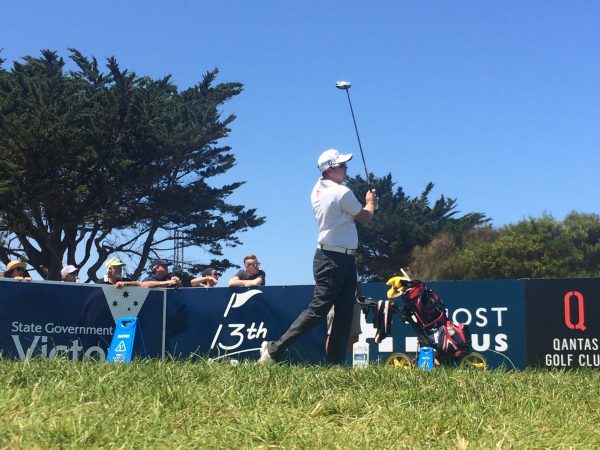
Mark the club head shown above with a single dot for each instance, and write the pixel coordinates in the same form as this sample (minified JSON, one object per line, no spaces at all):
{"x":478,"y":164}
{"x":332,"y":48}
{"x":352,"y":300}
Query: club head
{"x":344,"y":85}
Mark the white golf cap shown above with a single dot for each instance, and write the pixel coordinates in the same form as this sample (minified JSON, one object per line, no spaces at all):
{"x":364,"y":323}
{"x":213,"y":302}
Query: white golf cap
{"x":332,"y":158}
{"x":67,"y":270}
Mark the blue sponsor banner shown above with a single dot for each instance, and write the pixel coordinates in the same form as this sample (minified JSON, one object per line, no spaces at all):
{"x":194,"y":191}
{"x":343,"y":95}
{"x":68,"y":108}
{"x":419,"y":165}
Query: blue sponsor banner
{"x":232,"y":323}
{"x":77,"y":321}
{"x":493,"y":309}
{"x":50,"y":318}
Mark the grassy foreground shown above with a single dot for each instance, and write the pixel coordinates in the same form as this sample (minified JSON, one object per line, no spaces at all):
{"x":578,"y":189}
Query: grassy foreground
{"x":51,"y":404}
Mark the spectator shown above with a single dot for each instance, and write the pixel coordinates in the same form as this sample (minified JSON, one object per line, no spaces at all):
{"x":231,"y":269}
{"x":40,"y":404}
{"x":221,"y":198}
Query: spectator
{"x":114,"y":274}
{"x":160,"y":276}
{"x":251,"y":275}
{"x":209,"y":278}
{"x":17,"y":270}
{"x":70,"y":274}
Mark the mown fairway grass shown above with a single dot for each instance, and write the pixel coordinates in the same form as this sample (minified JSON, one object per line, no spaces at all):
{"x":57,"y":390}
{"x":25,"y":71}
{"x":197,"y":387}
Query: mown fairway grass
{"x":51,"y":404}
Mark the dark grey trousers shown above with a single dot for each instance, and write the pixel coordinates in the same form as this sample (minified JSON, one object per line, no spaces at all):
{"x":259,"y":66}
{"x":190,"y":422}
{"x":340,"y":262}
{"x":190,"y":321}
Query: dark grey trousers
{"x":335,"y":284}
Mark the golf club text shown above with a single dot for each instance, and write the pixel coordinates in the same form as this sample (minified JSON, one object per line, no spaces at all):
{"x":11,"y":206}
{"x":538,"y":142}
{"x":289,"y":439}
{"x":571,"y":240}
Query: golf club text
{"x":567,"y":360}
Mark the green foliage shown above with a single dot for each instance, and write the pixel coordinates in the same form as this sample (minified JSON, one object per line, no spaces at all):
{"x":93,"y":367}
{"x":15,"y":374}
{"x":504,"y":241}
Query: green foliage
{"x":153,"y":404}
{"x":402,"y":223}
{"x":440,"y":259}
{"x":538,"y":248}
{"x":112,"y":162}
{"x":532,"y":248}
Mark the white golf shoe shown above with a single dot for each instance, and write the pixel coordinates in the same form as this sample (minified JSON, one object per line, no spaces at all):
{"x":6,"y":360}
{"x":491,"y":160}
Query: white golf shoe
{"x":265,"y":358}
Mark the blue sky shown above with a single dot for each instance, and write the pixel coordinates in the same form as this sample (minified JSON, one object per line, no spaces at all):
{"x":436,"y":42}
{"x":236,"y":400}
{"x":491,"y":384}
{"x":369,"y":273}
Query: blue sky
{"x":497,"y":103}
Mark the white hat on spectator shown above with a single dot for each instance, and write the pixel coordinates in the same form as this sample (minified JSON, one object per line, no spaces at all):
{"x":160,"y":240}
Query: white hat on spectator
{"x":68,"y":270}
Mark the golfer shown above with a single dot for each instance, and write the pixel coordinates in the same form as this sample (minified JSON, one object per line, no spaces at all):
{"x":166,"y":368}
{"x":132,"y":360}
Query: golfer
{"x":334,"y":268}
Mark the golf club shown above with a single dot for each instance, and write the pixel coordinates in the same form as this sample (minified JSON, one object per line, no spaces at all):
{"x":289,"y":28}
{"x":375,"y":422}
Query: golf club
{"x":345,"y":86}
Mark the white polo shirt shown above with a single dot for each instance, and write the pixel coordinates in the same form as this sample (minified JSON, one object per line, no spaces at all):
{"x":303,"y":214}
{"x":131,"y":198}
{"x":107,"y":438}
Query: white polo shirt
{"x":335,"y":206}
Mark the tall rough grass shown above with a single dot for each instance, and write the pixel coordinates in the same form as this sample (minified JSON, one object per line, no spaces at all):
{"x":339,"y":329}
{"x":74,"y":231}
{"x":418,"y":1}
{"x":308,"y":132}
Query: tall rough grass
{"x":52,"y":404}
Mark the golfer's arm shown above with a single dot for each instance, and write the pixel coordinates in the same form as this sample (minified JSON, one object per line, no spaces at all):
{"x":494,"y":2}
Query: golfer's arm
{"x":366,"y":214}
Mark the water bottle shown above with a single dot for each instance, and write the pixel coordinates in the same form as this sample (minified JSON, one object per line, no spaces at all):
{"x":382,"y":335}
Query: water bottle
{"x":425,"y":360}
{"x":360,"y":355}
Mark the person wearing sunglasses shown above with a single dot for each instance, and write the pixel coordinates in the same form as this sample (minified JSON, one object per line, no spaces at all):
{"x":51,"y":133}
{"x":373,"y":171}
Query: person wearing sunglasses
{"x":336,"y":210}
{"x":209,"y":278}
{"x":160,"y":277}
{"x":115,"y":276}
{"x":17,"y":270}
{"x":250,"y":275}
{"x":70,"y":274}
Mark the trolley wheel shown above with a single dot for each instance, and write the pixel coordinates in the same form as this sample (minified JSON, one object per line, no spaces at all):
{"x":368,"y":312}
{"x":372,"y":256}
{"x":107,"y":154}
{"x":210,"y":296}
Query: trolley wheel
{"x":474,"y":360}
{"x":399,"y":361}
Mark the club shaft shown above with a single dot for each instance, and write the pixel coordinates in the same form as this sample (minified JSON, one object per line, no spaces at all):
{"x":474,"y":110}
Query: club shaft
{"x":362,"y":154}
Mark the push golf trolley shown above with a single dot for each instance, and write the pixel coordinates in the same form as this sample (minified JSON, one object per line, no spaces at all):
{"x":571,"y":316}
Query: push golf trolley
{"x":424,"y":311}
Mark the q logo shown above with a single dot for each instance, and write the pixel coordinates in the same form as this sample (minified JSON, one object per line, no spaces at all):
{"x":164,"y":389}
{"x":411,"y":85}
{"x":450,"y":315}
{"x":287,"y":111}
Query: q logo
{"x":580,"y":311}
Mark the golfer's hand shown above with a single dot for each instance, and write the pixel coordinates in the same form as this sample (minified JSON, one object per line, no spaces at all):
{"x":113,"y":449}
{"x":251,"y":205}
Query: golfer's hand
{"x":371,"y":197}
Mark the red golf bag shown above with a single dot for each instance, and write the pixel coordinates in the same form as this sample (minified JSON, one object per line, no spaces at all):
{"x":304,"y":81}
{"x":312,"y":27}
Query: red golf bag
{"x":425,"y":311}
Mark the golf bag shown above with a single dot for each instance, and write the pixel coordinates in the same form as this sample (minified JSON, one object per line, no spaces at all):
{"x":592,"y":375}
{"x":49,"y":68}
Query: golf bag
{"x":424,"y":305}
{"x":425,"y":311}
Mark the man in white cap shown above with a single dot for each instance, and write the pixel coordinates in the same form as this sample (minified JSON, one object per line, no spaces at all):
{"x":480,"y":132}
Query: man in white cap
{"x":70,"y":274}
{"x":334,"y":268}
